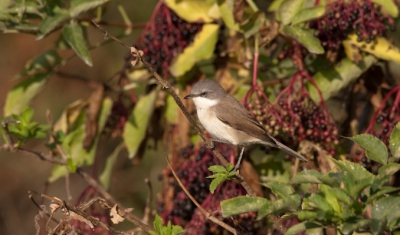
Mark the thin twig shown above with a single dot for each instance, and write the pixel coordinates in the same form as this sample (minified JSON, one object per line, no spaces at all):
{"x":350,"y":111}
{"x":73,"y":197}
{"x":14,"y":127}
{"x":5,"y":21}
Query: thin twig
{"x":147,"y":209}
{"x":206,"y":213}
{"x":137,"y":55}
{"x":5,"y":127}
{"x":118,"y":24}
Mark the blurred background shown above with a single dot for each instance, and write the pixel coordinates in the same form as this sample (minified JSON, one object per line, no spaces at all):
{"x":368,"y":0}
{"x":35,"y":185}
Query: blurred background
{"x":20,"y":173}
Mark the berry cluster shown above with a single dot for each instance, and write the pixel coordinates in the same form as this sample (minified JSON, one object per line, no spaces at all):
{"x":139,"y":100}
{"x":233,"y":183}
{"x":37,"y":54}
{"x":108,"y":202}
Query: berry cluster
{"x":295,"y":114}
{"x":180,"y":210}
{"x":165,"y":36}
{"x":365,"y":18}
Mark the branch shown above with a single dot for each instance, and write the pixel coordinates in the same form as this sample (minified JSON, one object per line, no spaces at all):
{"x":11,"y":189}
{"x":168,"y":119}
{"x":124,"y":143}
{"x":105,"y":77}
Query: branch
{"x":138,"y":56}
{"x":149,"y":199}
{"x":206,"y":213}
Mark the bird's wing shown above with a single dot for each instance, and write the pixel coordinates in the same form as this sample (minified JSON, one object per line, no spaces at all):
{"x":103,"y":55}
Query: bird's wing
{"x":232,"y":113}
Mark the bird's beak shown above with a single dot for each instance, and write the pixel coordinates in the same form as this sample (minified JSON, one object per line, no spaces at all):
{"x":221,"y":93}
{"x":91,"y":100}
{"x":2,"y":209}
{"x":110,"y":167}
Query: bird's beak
{"x":188,"y":96}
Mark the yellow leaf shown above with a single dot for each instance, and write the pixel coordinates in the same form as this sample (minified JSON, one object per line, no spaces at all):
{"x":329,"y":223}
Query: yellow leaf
{"x":194,"y":11}
{"x":202,"y":48}
{"x":380,"y":47}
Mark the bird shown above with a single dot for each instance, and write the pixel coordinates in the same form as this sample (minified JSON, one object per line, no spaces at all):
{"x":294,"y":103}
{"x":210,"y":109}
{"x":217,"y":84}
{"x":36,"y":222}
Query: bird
{"x":228,"y":121}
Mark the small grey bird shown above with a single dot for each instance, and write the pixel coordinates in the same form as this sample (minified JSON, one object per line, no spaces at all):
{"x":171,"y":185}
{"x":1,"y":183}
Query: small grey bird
{"x":228,"y":121}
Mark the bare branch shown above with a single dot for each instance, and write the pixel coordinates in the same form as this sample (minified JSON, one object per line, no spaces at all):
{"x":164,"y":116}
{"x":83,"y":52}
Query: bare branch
{"x":149,"y":200}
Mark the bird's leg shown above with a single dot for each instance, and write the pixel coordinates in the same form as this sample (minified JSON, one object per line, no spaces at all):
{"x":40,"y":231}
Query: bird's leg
{"x":212,"y":147}
{"x":240,"y":159}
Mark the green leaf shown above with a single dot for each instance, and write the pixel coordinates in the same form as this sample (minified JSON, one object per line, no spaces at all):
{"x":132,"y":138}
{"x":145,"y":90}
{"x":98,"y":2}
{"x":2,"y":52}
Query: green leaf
{"x":252,"y":25}
{"x":281,"y":205}
{"x":380,"y":211}
{"x":72,"y":143}
{"x":304,"y":37}
{"x":52,"y":21}
{"x":71,"y":165}
{"x":389,"y":169}
{"x":21,"y":94}
{"x":80,"y":6}
{"x":394,"y":142}
{"x":46,"y":61}
{"x":308,"y":14}
{"x":136,"y":128}
{"x":374,"y":148}
{"x":229,"y":167}
{"x":389,"y":6}
{"x":165,"y":230}
{"x":382,"y":191}
{"x":217,"y":181}
{"x":27,"y":115}
{"x":315,"y":177}
{"x":288,"y":9}
{"x":226,"y":9}
{"x":73,"y":34}
{"x":105,"y":176}
{"x":280,"y":190}
{"x":217,"y":169}
{"x":300,"y":227}
{"x":242,"y":204}
{"x":356,"y":177}
{"x":317,"y":201}
{"x":202,"y":48}
{"x":352,"y":224}
{"x":171,"y":109}
{"x":331,"y":81}
{"x":330,"y":196}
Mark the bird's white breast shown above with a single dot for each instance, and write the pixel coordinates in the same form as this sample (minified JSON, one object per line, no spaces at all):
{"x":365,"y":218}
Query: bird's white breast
{"x":218,"y":129}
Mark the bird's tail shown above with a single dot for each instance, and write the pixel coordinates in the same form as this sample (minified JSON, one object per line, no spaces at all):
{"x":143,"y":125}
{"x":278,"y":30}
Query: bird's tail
{"x":287,"y":149}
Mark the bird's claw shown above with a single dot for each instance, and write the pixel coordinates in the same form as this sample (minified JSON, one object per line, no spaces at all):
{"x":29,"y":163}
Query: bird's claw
{"x":209,"y":146}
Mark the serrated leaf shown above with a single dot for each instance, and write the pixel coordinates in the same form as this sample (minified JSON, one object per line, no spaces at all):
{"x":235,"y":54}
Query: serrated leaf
{"x":308,"y":14}
{"x":217,"y":169}
{"x":52,"y":21}
{"x":80,"y":6}
{"x":288,"y":9}
{"x":317,"y":201}
{"x":43,"y":63}
{"x":389,"y":6}
{"x":280,"y":190}
{"x":136,"y":127}
{"x":374,"y":148}
{"x":105,"y":176}
{"x":389,"y":169}
{"x":305,"y":37}
{"x":356,"y":177}
{"x":301,"y":227}
{"x":21,"y":94}
{"x":394,"y":142}
{"x":352,"y":224}
{"x":379,"y":47}
{"x":202,"y":48}
{"x":331,"y":81}
{"x":73,"y":34}
{"x":216,"y":182}
{"x":330,"y":196}
{"x":382,"y":191}
{"x":380,"y":211}
{"x":242,"y":204}
{"x":229,"y":167}
{"x":194,"y":11}
{"x":284,"y":204}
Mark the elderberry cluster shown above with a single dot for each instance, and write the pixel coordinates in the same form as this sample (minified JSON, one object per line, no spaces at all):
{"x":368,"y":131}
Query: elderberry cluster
{"x":165,"y":36}
{"x":193,"y":170}
{"x":365,"y":18}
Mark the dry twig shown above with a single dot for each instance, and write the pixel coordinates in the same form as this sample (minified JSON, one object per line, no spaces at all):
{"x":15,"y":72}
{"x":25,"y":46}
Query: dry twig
{"x":206,"y":213}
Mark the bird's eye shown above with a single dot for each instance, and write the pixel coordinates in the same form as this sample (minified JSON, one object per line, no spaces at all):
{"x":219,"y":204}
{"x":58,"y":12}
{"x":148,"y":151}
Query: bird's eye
{"x":203,"y":94}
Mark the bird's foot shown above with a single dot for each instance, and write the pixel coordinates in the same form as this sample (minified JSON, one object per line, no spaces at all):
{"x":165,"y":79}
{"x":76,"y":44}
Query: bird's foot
{"x":209,"y":145}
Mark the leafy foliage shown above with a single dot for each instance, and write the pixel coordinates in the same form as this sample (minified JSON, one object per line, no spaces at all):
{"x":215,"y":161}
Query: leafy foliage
{"x":165,"y":230}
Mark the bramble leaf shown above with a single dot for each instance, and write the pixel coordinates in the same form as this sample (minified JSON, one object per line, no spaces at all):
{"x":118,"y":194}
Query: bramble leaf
{"x":374,"y":148}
